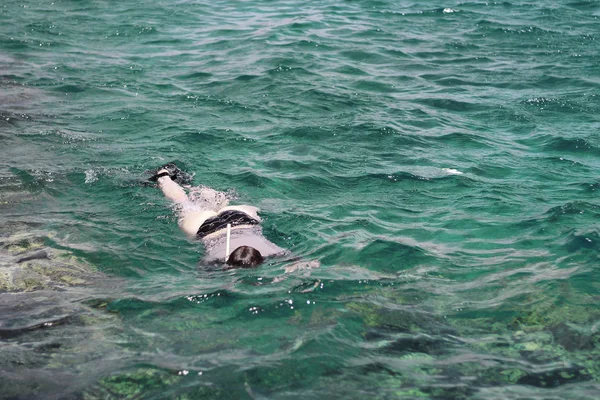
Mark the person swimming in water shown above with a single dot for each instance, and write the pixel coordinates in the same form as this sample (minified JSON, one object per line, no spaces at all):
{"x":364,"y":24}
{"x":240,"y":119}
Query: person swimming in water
{"x":205,"y":215}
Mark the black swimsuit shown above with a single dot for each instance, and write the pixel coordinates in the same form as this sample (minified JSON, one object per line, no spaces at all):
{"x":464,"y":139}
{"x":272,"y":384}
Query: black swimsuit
{"x":218,"y":222}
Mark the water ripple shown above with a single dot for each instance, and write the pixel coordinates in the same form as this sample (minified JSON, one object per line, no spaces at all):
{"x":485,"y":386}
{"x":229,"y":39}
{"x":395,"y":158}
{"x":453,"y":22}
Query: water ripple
{"x":432,"y":168}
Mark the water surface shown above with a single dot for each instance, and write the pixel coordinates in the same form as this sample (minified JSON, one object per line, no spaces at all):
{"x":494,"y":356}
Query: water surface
{"x":439,"y":159}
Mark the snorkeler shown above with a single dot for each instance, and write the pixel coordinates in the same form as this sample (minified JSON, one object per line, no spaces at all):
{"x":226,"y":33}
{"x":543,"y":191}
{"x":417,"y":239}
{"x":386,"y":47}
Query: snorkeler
{"x":205,"y":215}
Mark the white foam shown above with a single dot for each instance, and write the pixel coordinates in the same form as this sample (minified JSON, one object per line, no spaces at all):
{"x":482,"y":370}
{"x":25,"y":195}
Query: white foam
{"x":90,"y":176}
{"x":452,"y":171}
{"x":208,"y":198}
{"x":448,"y":10}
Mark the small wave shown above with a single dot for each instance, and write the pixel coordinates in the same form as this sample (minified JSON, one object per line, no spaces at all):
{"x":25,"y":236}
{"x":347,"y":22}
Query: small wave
{"x":584,"y":5}
{"x":463,"y":140}
{"x":69,"y":88}
{"x":558,"y":105}
{"x":13,"y":44}
{"x":246,"y":77}
{"x":452,"y":104}
{"x":248,"y":177}
{"x":198,"y":75}
{"x":590,"y":187}
{"x":399,"y":256}
{"x":493,"y":28}
{"x":399,"y":176}
{"x":167,"y":42}
{"x":400,"y":138}
{"x":425,"y":173}
{"x":306,"y":45}
{"x":374,"y":86}
{"x":582,"y":241}
{"x":554,"y":82}
{"x":45,"y":27}
{"x":10,"y":118}
{"x":574,"y":145}
{"x":396,"y":53}
{"x":299,"y":71}
{"x":350,"y":70}
{"x":364,"y":56}
{"x":574,"y":208}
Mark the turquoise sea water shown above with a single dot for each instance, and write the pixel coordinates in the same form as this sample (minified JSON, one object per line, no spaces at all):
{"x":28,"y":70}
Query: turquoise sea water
{"x":439,"y":159}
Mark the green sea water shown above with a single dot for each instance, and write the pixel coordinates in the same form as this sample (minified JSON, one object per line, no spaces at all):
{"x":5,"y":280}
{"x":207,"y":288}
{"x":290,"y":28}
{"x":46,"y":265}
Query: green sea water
{"x":439,"y":159}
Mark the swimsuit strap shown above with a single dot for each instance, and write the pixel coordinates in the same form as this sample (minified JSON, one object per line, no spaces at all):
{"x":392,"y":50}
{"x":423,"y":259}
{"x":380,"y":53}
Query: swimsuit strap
{"x":218,"y":222}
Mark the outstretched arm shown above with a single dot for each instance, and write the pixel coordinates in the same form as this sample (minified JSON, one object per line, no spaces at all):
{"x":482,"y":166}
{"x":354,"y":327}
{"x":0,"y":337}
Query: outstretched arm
{"x":171,"y":190}
{"x":189,"y":219}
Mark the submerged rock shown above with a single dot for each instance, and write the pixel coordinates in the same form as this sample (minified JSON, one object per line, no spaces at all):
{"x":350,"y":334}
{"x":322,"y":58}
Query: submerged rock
{"x":573,"y":338}
{"x":26,"y":265}
{"x":132,"y":384}
{"x":38,"y":255}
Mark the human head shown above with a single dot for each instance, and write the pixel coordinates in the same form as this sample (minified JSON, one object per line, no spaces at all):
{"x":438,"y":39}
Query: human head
{"x":245,"y":257}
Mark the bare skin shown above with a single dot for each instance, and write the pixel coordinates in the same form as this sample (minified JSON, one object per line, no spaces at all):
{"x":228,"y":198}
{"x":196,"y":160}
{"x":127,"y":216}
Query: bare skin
{"x":191,"y":219}
{"x":192,"y":215}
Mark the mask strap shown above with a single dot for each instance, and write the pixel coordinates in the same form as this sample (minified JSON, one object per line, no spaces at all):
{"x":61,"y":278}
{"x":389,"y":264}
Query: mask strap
{"x":228,"y":242}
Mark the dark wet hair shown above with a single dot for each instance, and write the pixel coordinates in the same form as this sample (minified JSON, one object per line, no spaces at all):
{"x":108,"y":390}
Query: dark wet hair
{"x":244,"y":257}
